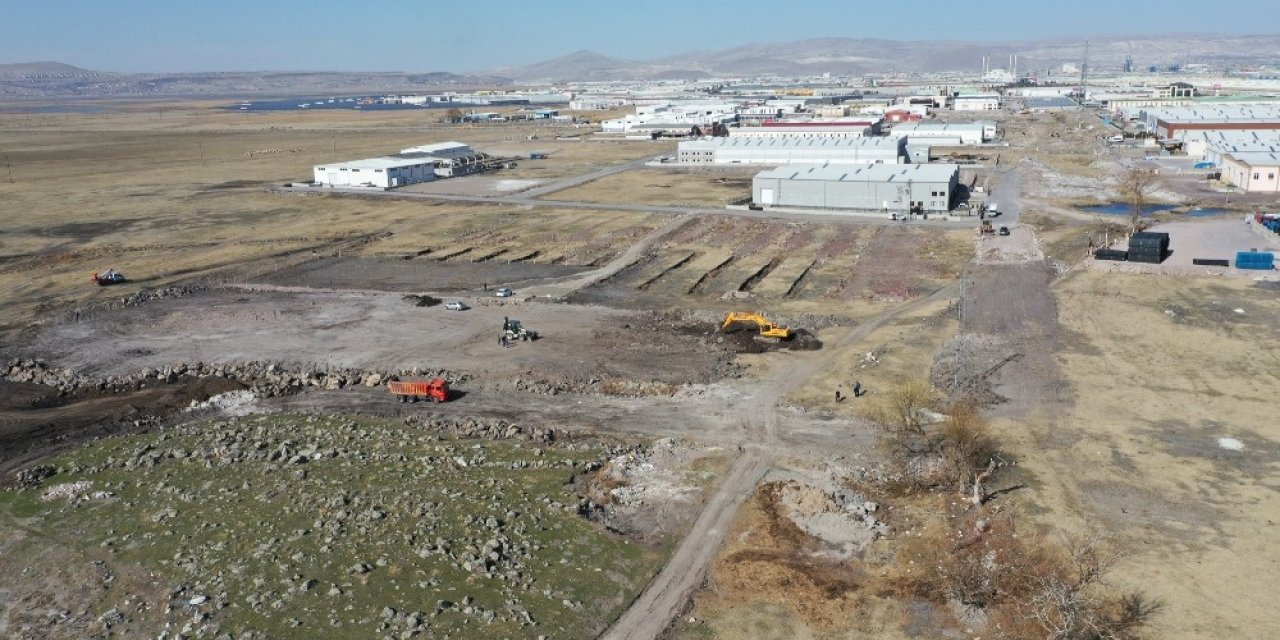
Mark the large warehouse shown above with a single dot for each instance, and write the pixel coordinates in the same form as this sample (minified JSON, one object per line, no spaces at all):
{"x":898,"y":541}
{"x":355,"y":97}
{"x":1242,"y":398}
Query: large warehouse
{"x":787,"y":150}
{"x":410,"y":166}
{"x":950,"y":133}
{"x":376,"y":173}
{"x":878,"y":187}
{"x":1166,"y":123}
{"x":452,"y":158}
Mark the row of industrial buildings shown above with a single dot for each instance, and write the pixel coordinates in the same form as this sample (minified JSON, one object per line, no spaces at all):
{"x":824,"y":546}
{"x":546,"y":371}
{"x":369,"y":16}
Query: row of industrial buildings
{"x":1242,"y":141}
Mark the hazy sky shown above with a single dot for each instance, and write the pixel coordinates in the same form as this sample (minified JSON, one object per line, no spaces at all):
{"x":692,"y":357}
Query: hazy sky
{"x":469,"y":35}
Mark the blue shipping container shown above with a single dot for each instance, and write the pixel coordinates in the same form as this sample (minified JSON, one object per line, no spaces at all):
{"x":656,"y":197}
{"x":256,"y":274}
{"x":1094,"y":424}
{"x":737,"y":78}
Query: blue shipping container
{"x":1261,"y":260}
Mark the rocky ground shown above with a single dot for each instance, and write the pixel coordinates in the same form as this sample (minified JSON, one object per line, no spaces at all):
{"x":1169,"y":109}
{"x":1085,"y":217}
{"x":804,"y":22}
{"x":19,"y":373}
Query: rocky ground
{"x":346,"y":527}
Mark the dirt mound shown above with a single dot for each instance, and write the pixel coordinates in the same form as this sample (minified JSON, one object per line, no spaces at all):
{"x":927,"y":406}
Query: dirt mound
{"x":202,"y":389}
{"x":421,"y":300}
{"x":775,"y":556}
{"x":749,"y":341}
{"x":36,"y":420}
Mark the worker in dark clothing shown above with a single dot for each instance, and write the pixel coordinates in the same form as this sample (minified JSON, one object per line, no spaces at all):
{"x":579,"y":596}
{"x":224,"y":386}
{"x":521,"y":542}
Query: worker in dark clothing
{"x":857,"y":389}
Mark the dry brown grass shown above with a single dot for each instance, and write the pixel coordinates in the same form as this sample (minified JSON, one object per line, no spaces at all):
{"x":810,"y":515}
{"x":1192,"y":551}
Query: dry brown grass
{"x":661,"y":187}
{"x":170,"y":192}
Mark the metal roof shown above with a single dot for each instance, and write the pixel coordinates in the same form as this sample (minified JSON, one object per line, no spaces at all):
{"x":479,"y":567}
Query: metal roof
{"x":863,"y":173}
{"x":790,"y":142}
{"x":381,"y":162}
{"x":1208,"y":114}
{"x":938,"y":127}
{"x":1256,"y":158}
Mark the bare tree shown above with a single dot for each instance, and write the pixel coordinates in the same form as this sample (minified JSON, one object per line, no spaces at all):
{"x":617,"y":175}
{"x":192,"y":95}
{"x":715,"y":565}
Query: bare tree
{"x":905,"y":416}
{"x":453,"y":115}
{"x":1134,"y":187}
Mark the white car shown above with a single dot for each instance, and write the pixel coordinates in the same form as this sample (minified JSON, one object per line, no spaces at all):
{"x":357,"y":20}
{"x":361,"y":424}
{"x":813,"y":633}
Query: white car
{"x":456,"y":306}
{"x":504,"y":292}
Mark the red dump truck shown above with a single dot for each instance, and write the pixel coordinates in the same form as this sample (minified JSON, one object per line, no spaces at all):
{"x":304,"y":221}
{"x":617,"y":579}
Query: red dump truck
{"x":436,"y":390}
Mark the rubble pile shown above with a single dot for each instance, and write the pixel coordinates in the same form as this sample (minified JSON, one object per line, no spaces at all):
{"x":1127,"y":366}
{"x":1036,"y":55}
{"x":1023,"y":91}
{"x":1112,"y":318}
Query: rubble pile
{"x":483,"y":428}
{"x":264,"y":378}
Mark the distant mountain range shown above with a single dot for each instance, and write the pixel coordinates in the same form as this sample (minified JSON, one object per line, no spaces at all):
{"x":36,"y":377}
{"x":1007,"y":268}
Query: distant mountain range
{"x":838,"y":56}
{"x":850,"y":56}
{"x":57,"y":80}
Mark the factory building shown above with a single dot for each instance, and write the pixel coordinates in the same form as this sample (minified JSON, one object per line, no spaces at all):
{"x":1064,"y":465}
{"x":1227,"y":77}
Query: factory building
{"x":376,"y":173}
{"x":789,"y":150}
{"x":836,"y":128}
{"x":673,"y":116}
{"x":410,"y":166}
{"x":903,"y":188}
{"x":1210,"y":146}
{"x":1166,"y":123}
{"x":1253,"y":171}
{"x":946,"y":133}
{"x":451,"y":158}
{"x":976,"y":102}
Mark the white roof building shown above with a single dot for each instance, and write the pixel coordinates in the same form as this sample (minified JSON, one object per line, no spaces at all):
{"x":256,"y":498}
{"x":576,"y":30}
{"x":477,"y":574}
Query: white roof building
{"x":384,"y":172}
{"x":966,"y":133}
{"x":1253,"y":171}
{"x":976,"y":102}
{"x":411,"y":165}
{"x":683,"y":115}
{"x":924,"y":188}
{"x":774,"y":150}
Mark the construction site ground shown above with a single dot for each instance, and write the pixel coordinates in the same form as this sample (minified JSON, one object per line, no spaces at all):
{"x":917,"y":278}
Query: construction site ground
{"x":717,"y":485}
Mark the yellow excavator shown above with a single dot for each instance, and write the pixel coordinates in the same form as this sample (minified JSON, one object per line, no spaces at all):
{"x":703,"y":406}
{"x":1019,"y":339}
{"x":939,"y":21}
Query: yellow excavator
{"x":767,"y":329}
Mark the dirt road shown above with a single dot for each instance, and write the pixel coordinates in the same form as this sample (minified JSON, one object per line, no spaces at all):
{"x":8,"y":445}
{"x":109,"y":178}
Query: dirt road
{"x":568,"y":183}
{"x":666,"y":595}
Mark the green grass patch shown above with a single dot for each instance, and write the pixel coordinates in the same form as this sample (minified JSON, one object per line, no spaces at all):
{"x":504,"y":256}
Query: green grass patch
{"x":271,"y":518}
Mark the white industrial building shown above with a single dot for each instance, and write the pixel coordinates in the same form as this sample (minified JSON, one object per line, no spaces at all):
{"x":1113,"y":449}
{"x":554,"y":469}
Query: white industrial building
{"x":976,"y":102}
{"x":1253,"y":171}
{"x":410,"y":166}
{"x":668,"y":115}
{"x":902,"y":188}
{"x":1041,"y":91}
{"x":1167,"y":122}
{"x":788,"y":150}
{"x":1210,"y":146}
{"x":946,"y":133}
{"x":376,"y":173}
{"x":451,"y":158}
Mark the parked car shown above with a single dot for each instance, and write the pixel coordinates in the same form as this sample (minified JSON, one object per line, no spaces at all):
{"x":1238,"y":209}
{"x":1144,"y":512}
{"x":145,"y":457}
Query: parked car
{"x":1004,"y":231}
{"x":504,"y":292}
{"x":456,"y":305}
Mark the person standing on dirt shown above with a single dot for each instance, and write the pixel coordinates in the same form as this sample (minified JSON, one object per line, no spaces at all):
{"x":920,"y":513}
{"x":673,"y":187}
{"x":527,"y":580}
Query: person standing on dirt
{"x":857,"y":389}
{"x":486,"y":287}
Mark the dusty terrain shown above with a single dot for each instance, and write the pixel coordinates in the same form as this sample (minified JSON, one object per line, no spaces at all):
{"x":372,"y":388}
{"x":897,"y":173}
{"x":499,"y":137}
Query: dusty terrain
{"x":709,"y":484}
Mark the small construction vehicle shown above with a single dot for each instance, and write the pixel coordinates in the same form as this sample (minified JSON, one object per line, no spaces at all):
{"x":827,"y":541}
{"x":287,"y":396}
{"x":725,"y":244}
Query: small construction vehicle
{"x":767,"y":329}
{"x":436,"y":390}
{"x":986,"y":229}
{"x":109,"y":277}
{"x":512,"y":330}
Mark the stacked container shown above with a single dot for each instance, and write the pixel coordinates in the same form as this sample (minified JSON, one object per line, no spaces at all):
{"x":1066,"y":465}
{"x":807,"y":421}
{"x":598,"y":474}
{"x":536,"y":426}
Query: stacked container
{"x":1149,"y":247}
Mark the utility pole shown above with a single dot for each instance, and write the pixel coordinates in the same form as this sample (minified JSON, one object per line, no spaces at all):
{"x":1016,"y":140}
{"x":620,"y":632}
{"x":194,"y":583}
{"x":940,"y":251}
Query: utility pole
{"x":10,"y":166}
{"x":1084,"y":76}
{"x":200,"y":146}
